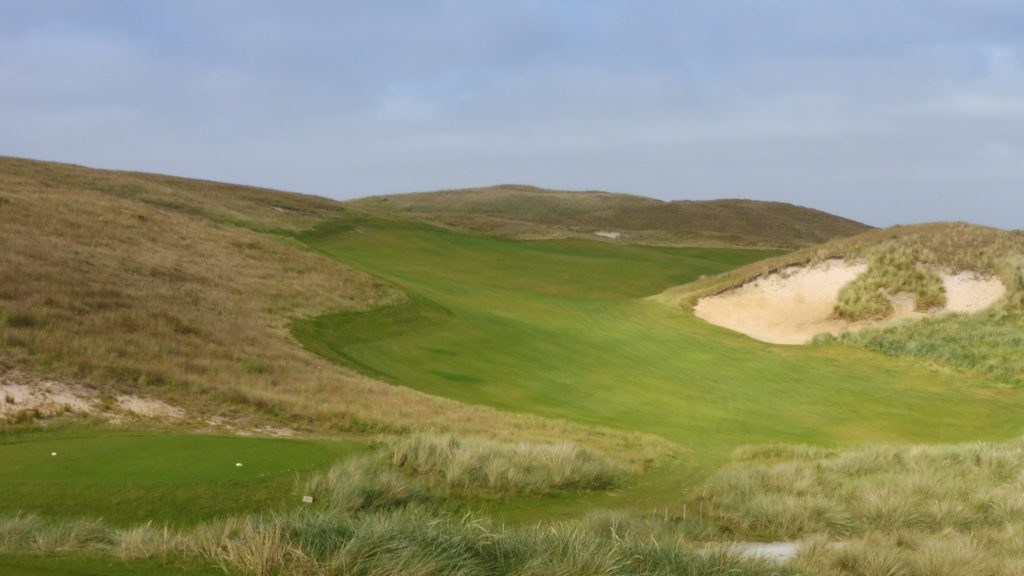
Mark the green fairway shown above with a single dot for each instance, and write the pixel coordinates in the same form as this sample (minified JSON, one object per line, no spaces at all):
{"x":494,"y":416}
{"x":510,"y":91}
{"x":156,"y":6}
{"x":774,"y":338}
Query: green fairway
{"x":164,"y":478}
{"x":560,"y":329}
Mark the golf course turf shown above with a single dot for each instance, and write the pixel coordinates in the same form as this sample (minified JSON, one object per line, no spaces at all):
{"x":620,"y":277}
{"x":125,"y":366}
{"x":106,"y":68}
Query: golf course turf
{"x":164,"y":478}
{"x":562,"y":329}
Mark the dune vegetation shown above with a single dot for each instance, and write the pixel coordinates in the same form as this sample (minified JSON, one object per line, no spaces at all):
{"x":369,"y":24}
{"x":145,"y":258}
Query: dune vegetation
{"x":534,"y":213}
{"x":473,"y":403}
{"x":879,"y":509}
{"x":905,"y":260}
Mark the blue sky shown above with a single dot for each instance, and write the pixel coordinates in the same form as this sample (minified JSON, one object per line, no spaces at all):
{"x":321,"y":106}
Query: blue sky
{"x":886,"y":112}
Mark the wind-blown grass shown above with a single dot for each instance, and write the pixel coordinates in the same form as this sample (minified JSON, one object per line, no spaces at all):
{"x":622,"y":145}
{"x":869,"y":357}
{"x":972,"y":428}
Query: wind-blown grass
{"x":480,"y":465}
{"x":902,"y":510}
{"x":987,"y":344}
{"x":891,"y":271}
{"x":408,"y":541}
{"x":433,"y":468}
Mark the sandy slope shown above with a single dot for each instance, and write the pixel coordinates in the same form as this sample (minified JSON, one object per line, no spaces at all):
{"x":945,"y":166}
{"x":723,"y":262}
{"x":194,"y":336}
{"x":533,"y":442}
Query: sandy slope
{"x":792,"y":306}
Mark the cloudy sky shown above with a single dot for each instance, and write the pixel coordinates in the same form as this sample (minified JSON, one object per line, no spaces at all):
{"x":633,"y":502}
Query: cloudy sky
{"x":884,"y":111}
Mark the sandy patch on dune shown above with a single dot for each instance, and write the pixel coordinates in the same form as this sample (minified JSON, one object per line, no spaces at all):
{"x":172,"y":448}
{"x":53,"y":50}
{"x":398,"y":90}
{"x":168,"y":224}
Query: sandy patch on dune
{"x":791,"y":306}
{"x":21,"y":394}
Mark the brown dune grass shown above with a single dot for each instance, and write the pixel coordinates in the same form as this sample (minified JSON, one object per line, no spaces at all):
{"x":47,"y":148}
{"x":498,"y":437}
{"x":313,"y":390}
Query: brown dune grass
{"x":529,"y":212}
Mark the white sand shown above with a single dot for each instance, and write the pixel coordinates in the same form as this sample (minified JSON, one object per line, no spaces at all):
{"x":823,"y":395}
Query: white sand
{"x":792,"y":306}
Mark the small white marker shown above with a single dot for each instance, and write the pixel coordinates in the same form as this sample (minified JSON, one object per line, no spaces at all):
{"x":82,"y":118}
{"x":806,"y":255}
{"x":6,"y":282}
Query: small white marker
{"x":239,"y":464}
{"x":307,"y":499}
{"x":53,"y":453}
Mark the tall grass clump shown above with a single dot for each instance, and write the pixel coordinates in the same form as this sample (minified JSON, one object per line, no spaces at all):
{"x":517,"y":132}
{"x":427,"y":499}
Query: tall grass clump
{"x":987,"y":343}
{"x":481,"y":465}
{"x":868,"y":489}
{"x":892,"y":270}
{"x":880,"y":510}
{"x":414,"y":540}
{"x":424,"y":468}
{"x":28,"y":533}
{"x":366,"y":483}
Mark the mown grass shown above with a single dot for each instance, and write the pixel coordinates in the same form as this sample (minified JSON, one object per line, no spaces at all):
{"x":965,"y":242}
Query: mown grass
{"x":557,"y":328}
{"x":166,"y":478}
{"x":899,"y":509}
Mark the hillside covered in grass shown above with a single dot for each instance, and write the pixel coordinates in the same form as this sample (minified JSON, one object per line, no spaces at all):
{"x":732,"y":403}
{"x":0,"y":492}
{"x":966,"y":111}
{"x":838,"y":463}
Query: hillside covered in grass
{"x":529,"y":212}
{"x":185,"y":290}
{"x":466,"y":402}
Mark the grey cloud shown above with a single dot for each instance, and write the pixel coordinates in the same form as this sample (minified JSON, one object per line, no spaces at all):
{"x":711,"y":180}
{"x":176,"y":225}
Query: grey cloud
{"x":885,"y":112}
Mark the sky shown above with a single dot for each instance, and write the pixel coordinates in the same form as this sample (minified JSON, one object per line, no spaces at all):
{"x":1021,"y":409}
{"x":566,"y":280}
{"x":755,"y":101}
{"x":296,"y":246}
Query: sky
{"x":883,"y":111}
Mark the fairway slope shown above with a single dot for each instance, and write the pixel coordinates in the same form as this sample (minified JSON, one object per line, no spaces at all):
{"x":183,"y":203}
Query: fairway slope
{"x":529,"y":212}
{"x":564,"y":329}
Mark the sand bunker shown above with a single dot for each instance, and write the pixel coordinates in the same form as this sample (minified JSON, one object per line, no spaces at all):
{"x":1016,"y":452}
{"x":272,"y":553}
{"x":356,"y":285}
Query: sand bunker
{"x":791,"y":306}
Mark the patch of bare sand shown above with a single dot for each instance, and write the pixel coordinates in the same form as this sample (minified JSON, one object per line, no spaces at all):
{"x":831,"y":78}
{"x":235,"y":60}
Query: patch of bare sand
{"x":23,"y":394}
{"x":792,"y":306}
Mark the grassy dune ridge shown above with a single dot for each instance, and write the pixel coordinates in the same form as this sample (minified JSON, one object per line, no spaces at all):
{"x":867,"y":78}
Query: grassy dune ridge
{"x":530,"y":212}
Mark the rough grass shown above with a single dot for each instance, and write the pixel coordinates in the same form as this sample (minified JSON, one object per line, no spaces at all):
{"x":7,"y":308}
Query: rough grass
{"x":892,"y":270}
{"x":131,"y":295}
{"x":884,"y":509}
{"x":481,"y":465}
{"x":952,"y":247}
{"x":528,"y":212}
{"x":408,"y":541}
{"x":987,"y":344}
{"x":433,"y":468}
